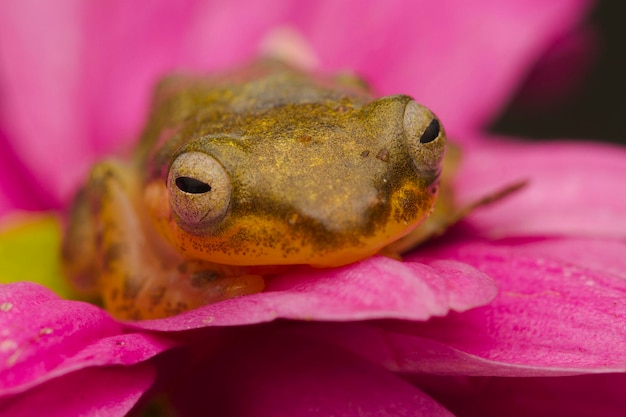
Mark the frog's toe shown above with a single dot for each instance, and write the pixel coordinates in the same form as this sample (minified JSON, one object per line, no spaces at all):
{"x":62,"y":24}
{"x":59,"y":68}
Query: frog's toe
{"x":229,"y":287}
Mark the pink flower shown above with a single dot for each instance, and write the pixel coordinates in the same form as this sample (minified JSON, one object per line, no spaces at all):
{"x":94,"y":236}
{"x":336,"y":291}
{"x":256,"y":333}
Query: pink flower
{"x":531,"y":287}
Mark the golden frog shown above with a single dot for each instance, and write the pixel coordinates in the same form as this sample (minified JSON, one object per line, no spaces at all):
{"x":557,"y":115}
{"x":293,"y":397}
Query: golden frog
{"x":238,"y":175}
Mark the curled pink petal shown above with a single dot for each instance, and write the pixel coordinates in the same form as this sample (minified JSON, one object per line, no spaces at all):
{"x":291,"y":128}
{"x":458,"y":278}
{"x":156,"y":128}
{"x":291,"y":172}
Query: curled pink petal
{"x":43,"y":337}
{"x":465,"y":289}
{"x":560,"y":307}
{"x":378,"y":287}
{"x":268,"y":374}
{"x":573,"y":189}
{"x":104,"y":392}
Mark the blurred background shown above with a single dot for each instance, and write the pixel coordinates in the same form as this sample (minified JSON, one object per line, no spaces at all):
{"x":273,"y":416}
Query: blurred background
{"x":596,"y":107}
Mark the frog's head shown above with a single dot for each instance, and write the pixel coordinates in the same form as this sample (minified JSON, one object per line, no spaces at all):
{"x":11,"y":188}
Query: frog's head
{"x":316,"y":183}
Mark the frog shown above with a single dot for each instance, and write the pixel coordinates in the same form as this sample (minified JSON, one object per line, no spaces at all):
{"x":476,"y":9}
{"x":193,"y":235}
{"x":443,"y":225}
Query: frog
{"x":240,"y":175}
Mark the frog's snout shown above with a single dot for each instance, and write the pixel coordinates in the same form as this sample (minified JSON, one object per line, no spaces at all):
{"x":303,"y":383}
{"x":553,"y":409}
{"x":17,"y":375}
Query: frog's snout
{"x":425,"y":139}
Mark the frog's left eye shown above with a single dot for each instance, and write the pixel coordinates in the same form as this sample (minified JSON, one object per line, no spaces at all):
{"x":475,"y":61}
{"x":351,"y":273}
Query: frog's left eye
{"x":424,"y":138}
{"x":199,"y":188}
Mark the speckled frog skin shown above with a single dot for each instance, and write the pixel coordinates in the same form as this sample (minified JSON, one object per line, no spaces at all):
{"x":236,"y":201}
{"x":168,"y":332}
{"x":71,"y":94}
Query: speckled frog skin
{"x":238,"y":175}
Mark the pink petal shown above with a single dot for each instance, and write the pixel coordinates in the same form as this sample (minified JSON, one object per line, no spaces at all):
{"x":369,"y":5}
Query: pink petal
{"x":462,"y":59}
{"x":579,"y":396}
{"x":99,"y":392}
{"x":560,"y":311}
{"x":560,"y":72}
{"x":400,"y":348}
{"x":19,"y":188}
{"x":77,"y":76}
{"x":375,"y":288}
{"x":574,"y":189}
{"x":267,"y":373}
{"x":43,"y":337}
{"x":39,"y":44}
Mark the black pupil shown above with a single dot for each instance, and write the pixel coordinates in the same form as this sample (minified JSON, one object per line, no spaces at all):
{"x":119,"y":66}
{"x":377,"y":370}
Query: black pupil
{"x":192,"y":185}
{"x":431,"y":132}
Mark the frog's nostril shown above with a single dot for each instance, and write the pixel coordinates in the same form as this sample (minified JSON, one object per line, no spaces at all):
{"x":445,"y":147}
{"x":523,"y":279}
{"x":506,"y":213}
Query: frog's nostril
{"x":192,"y":186}
{"x":431,"y":132}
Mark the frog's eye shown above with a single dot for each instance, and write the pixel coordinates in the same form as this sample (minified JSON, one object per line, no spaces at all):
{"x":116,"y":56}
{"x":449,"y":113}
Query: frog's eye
{"x":199,"y":188}
{"x":424,"y":137}
{"x":192,"y":186}
{"x":431,"y":132}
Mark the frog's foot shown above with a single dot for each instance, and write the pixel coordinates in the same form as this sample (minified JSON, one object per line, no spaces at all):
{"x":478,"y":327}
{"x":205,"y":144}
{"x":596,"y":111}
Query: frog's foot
{"x":141,"y":280}
{"x":78,"y":251}
{"x":170,"y":294}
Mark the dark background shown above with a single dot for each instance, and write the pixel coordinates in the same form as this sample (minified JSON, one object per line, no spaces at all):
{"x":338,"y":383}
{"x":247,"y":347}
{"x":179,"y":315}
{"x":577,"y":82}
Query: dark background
{"x":595,"y":109}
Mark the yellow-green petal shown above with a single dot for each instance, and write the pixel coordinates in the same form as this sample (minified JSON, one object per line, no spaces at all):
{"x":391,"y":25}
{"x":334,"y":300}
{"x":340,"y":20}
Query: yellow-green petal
{"x":30,"y":247}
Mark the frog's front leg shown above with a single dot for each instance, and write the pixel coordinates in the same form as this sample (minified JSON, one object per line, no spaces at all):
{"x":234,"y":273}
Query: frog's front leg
{"x":445,"y":215}
{"x":446,"y":212}
{"x":138,"y":275}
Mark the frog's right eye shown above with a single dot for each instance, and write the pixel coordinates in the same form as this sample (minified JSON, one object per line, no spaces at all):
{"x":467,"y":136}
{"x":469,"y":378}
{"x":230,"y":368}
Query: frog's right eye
{"x":199,"y":188}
